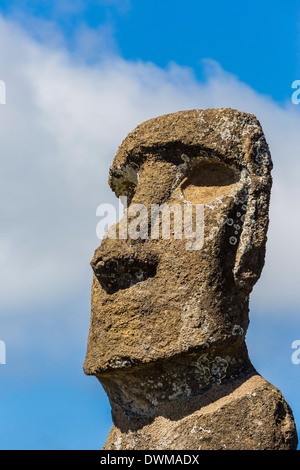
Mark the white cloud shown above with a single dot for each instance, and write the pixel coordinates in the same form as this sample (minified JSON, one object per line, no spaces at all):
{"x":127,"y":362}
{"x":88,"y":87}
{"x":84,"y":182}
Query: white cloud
{"x":59,"y":131}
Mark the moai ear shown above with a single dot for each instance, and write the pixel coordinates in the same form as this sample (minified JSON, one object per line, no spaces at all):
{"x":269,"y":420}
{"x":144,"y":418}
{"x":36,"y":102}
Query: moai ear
{"x":250,"y":256}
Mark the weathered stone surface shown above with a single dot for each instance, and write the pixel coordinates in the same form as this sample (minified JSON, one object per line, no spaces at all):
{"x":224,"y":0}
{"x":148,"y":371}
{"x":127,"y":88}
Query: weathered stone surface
{"x":245,"y":413}
{"x":168,"y":323}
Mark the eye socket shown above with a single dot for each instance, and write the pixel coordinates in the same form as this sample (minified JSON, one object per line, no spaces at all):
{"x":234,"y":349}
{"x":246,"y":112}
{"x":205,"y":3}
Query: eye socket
{"x":207,"y":181}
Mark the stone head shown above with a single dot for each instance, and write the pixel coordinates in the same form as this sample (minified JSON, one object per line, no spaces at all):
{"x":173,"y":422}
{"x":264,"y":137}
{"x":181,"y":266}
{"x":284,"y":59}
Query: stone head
{"x":158,"y":297}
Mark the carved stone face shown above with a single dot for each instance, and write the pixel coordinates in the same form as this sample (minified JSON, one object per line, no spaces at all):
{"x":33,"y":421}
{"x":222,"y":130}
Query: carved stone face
{"x":153,"y":299}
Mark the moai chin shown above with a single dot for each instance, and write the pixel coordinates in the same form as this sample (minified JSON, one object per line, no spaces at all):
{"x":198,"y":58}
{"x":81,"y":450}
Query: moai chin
{"x":169,"y":319}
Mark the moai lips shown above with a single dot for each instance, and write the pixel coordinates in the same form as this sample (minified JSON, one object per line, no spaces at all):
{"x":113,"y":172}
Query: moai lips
{"x":170,"y":314}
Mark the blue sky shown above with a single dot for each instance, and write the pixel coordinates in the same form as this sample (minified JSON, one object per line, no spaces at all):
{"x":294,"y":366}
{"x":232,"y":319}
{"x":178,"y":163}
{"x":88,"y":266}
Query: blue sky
{"x":257,"y":41}
{"x":80,"y":75}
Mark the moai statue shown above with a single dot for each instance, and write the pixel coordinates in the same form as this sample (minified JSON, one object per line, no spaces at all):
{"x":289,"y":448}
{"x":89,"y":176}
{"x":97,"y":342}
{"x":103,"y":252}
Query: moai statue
{"x":170,"y":313}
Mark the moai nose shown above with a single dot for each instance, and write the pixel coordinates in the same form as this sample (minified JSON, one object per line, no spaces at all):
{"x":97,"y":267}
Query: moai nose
{"x":122,"y":272}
